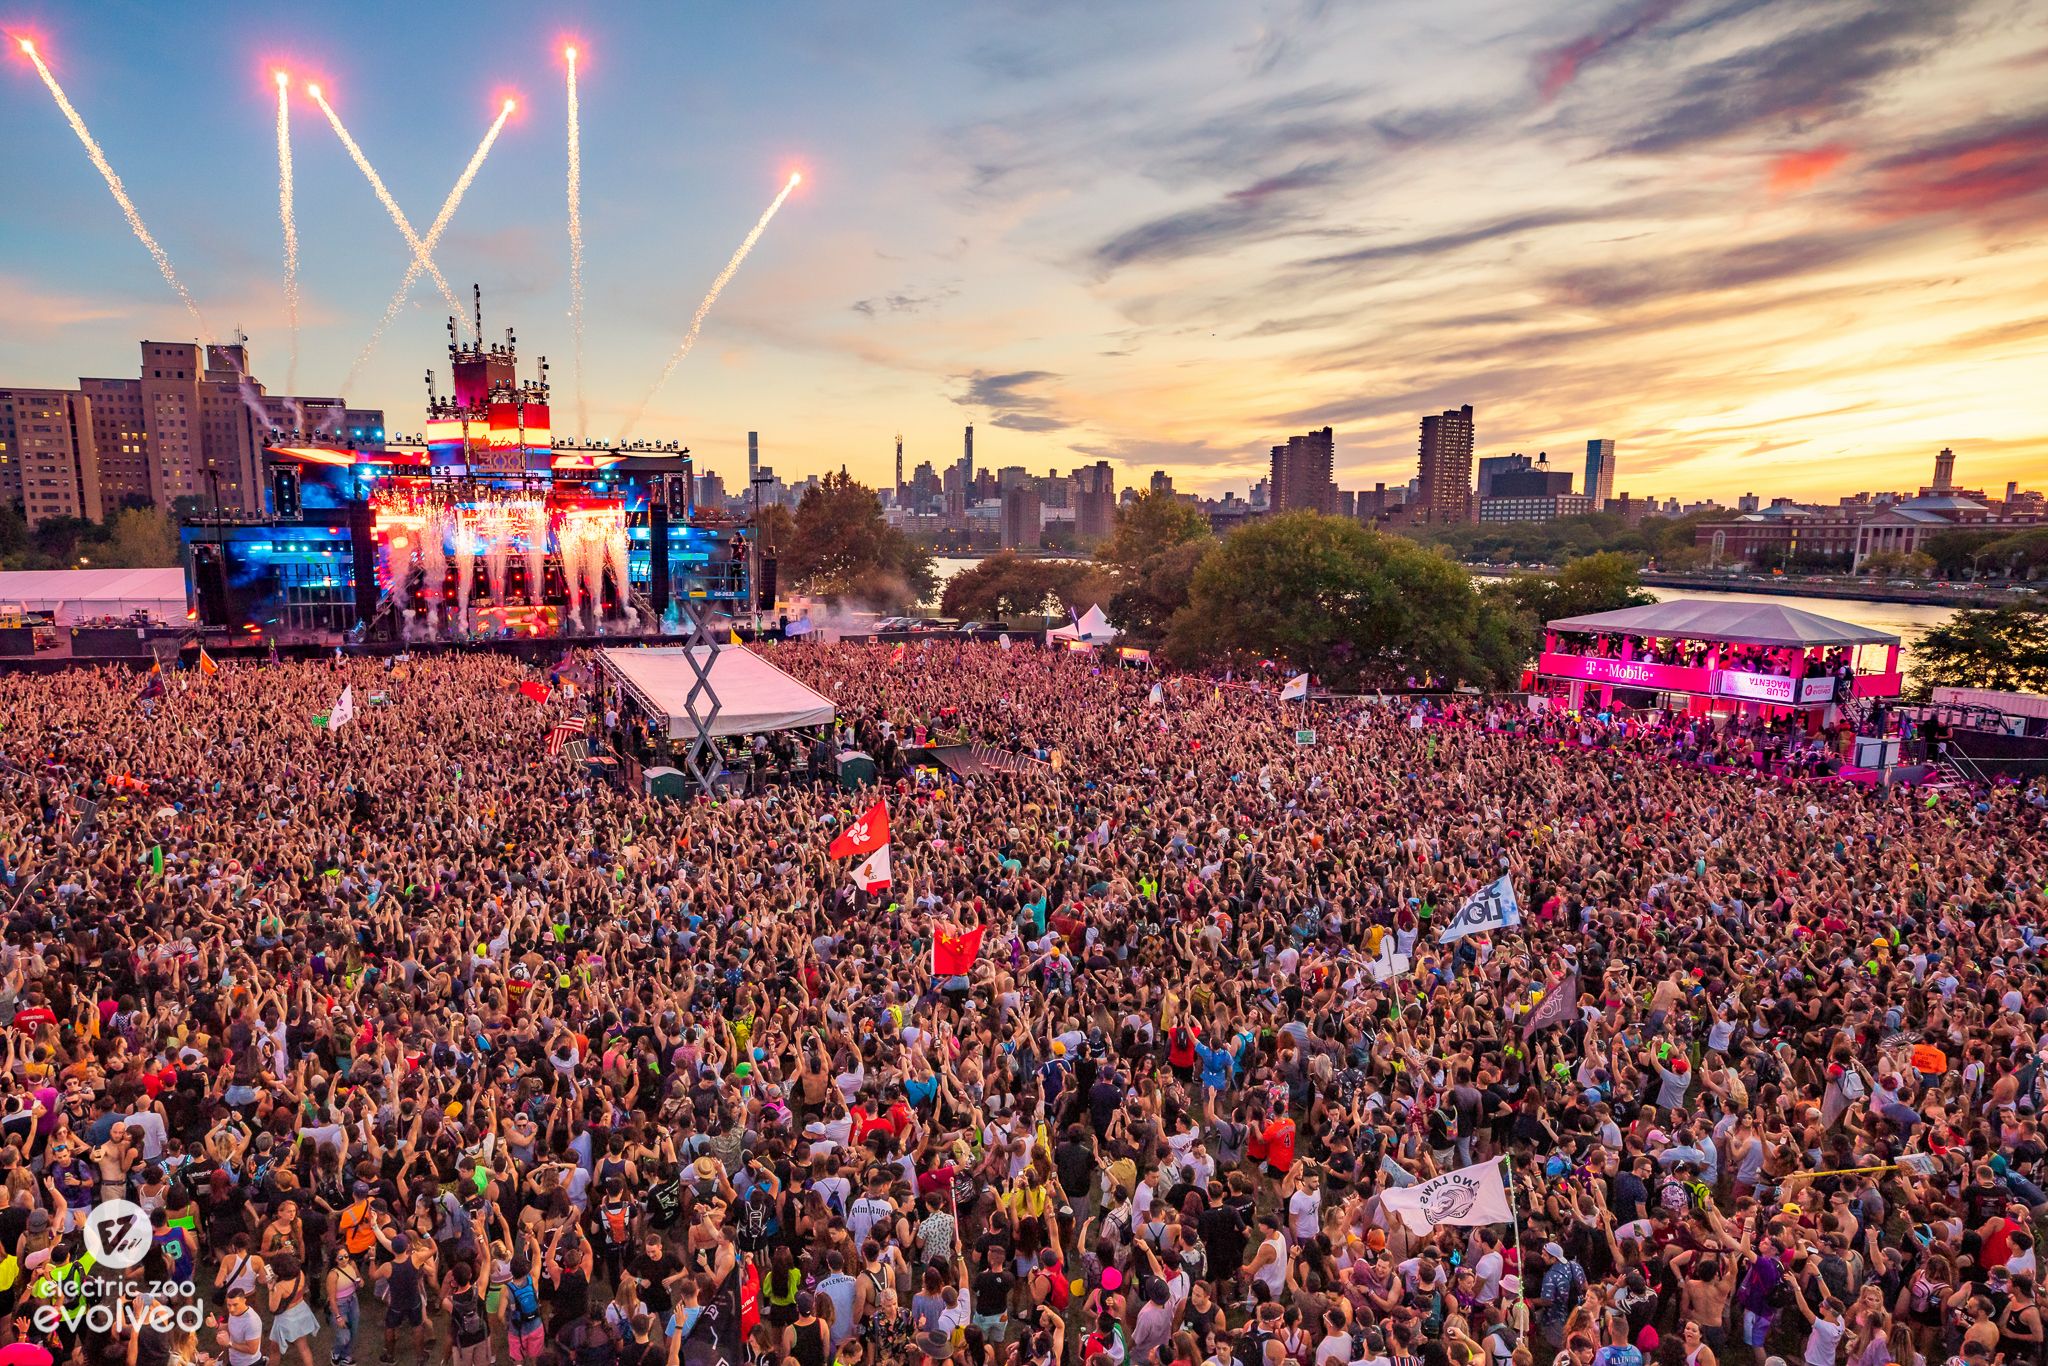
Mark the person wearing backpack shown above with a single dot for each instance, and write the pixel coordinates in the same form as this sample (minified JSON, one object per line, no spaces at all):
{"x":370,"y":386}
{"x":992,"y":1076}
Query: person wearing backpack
{"x":525,"y":1334}
{"x":469,"y":1327}
{"x":1563,"y":1287}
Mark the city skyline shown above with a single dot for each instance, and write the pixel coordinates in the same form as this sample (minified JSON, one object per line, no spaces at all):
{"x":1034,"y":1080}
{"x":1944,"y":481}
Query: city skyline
{"x":1758,"y":247}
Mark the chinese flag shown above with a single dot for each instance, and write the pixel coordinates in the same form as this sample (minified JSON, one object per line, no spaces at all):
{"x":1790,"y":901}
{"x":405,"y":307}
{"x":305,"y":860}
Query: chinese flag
{"x":865,"y":835}
{"x":953,"y":953}
{"x":535,"y":689}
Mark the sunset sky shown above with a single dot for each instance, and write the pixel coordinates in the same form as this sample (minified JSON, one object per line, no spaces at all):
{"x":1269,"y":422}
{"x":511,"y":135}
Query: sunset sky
{"x":1781,"y":246}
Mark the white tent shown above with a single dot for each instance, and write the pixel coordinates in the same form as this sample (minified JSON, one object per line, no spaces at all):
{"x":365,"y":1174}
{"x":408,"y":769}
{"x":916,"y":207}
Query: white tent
{"x":1093,"y":625}
{"x":753,"y":695}
{"x":75,"y":595}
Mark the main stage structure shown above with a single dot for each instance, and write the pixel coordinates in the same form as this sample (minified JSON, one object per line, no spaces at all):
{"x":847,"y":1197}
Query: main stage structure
{"x":486,"y":526}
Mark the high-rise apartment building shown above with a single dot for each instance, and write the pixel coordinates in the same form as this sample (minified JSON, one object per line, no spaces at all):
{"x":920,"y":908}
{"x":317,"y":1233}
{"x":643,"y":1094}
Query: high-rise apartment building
{"x":1021,"y":517}
{"x":1094,"y":502}
{"x":1301,"y":473}
{"x":1599,"y":472}
{"x":1445,"y":467}
{"x":53,"y":461}
{"x":1162,"y":482}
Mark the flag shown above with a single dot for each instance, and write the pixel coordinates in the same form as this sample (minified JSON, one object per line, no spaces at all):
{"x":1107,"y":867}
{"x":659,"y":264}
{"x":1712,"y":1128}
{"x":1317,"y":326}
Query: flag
{"x":534,"y":689}
{"x":896,"y":655}
{"x":800,"y":627}
{"x":153,"y":686}
{"x":864,"y":836}
{"x":873,"y":874}
{"x":562,"y":734}
{"x":1004,"y":640}
{"x":1467,"y":1197}
{"x":954,"y":951}
{"x":156,"y":860}
{"x":1389,"y":964}
{"x":1557,"y":1007}
{"x":734,"y":632}
{"x":344,"y":709}
{"x":206,"y":664}
{"x":1490,"y":908}
{"x":1296,"y":689}
{"x":1158,"y":694}
{"x":273,"y":649}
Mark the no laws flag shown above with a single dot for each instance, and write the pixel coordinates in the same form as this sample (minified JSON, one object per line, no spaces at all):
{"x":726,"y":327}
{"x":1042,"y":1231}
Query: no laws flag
{"x":864,"y":836}
{"x":954,"y":952}
{"x":873,"y":873}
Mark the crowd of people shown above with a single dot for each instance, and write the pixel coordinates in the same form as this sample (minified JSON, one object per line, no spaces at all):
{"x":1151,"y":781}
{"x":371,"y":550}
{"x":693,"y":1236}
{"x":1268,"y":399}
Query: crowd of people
{"x":412,"y":1040}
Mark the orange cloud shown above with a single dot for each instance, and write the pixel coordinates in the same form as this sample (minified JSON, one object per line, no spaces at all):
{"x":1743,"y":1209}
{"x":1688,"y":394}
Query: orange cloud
{"x":1796,"y":171}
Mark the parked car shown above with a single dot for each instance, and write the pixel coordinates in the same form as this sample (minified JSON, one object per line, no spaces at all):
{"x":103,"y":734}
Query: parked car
{"x":968,"y":628}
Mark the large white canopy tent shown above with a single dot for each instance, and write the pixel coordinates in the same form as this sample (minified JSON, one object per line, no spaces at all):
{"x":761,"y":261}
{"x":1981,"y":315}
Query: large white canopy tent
{"x":75,"y":595}
{"x":1092,"y":625}
{"x":753,"y":695}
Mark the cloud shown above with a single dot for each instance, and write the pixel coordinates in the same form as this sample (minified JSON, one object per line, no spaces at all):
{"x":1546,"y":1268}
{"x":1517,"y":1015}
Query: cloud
{"x":1259,"y":211}
{"x":1624,"y":285}
{"x":1010,"y":400}
{"x":1799,"y":170}
{"x":1156,"y":452}
{"x":1457,"y":239}
{"x":1287,"y":26}
{"x":1559,"y":66}
{"x":1993,"y":166}
{"x":904,"y":301}
{"x":1811,"y":75}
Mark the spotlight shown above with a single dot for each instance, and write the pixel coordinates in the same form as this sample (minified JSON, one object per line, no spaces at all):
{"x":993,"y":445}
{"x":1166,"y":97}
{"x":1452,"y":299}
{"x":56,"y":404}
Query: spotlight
{"x":28,"y":47}
{"x":314,"y":91}
{"x":282,"y":79}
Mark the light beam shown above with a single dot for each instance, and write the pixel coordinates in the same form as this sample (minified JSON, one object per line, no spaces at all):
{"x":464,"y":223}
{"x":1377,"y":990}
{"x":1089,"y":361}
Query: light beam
{"x":287,"y":217}
{"x":711,"y":297}
{"x":424,"y":260}
{"x":128,"y":210}
{"x":412,"y":239}
{"x":576,"y":242}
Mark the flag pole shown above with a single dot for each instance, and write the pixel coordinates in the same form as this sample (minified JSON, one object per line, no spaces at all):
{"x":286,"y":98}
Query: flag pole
{"x":1515,"y":1223}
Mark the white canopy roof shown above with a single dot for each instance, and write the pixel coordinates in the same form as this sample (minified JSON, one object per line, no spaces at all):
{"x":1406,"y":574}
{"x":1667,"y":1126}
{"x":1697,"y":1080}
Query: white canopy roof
{"x":753,"y":695}
{"x":74,"y":595}
{"x":1093,"y":625}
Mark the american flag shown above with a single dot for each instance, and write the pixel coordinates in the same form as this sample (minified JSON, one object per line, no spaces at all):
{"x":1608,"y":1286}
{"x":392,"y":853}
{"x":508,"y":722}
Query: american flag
{"x":562,"y":734}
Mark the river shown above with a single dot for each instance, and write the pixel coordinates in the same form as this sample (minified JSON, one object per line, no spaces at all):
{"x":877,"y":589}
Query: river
{"x":1906,"y":620}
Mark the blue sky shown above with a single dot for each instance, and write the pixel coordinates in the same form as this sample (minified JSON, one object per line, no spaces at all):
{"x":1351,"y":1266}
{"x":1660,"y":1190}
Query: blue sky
{"x":1784,"y":246}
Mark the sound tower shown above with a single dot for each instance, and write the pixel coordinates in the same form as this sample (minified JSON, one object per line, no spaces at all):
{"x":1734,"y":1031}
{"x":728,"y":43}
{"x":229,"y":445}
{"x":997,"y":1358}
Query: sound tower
{"x":363,"y":554}
{"x":657,"y":546}
{"x":766,"y":597}
{"x":284,"y":493}
{"x":210,"y":584}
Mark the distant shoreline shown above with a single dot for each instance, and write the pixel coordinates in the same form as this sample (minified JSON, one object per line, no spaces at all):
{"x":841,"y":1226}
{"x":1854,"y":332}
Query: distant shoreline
{"x":1801,"y":588}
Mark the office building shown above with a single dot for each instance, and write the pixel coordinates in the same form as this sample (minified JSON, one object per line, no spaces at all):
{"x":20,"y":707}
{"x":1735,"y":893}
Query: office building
{"x":1599,"y":473}
{"x":1492,"y":466}
{"x":1534,"y":507}
{"x":1021,"y":518}
{"x":52,"y":459}
{"x":1301,"y":473}
{"x":1444,"y":471}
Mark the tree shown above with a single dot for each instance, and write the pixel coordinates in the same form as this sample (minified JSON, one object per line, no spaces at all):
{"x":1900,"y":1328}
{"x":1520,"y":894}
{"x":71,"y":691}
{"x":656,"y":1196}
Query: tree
{"x":2003,"y":648}
{"x":1147,"y":596}
{"x":140,"y":539}
{"x":839,"y":547}
{"x":1955,"y":552}
{"x":1352,"y":606}
{"x":14,"y":540}
{"x":1010,"y":585}
{"x":1148,"y":524}
{"x":1893,"y":564}
{"x":1606,"y":582}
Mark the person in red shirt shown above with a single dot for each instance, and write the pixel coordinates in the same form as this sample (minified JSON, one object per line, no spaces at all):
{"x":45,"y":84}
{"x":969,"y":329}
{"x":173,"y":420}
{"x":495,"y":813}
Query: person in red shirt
{"x":1279,"y":1144}
{"x":1180,"y":1050}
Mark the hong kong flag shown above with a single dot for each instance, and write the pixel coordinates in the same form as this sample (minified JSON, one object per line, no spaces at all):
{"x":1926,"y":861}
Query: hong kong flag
{"x":865,"y":835}
{"x":954,"y":952}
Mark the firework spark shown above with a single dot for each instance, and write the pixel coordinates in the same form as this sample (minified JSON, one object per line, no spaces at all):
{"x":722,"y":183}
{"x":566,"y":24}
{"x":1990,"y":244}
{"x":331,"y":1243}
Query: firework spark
{"x":99,"y":161}
{"x":424,"y":260}
{"x":576,"y":241}
{"x":711,"y":297}
{"x":287,"y":216}
{"x":412,"y":239}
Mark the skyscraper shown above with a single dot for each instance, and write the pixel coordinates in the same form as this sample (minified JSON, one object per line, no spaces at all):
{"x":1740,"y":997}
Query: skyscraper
{"x":1444,"y":478}
{"x":1094,"y":501}
{"x":900,"y":491}
{"x":1021,"y":517}
{"x":1301,"y":473}
{"x":967,"y":461}
{"x":753,"y":456}
{"x":1599,"y":472}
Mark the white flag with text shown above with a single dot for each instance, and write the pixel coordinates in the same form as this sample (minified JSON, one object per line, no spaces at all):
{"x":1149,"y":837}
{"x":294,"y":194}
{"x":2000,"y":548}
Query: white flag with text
{"x":1467,"y":1197}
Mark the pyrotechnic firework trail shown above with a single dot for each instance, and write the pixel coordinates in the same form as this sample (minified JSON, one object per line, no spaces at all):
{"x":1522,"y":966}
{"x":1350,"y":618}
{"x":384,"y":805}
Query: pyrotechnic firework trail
{"x":576,"y":242}
{"x":412,"y":239}
{"x":710,"y":298}
{"x":135,"y":223}
{"x":424,"y":260}
{"x":288,"y":217}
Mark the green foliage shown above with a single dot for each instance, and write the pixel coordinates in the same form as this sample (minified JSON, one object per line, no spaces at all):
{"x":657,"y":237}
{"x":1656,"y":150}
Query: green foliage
{"x":839,"y":547}
{"x":1953,"y":551}
{"x":1007,"y":585}
{"x":1893,"y":564}
{"x":1567,"y":538}
{"x":1148,"y":596}
{"x":2005,"y":648}
{"x":1149,"y":524}
{"x":1356,"y":608}
{"x":1606,"y":582}
{"x":13,"y":533}
{"x":140,"y":539}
